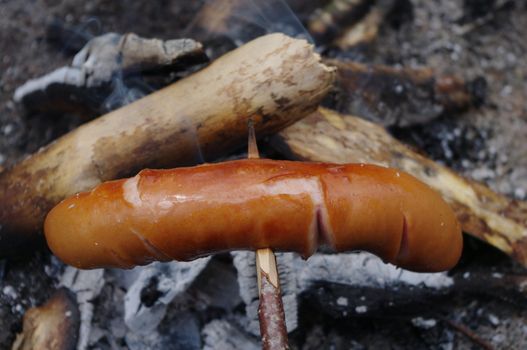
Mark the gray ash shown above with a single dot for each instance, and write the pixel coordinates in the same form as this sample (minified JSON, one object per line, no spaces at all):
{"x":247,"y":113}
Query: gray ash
{"x":451,"y":141}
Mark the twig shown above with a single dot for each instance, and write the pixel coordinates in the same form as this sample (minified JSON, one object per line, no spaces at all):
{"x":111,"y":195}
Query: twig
{"x":467,"y":332}
{"x":271,"y":310}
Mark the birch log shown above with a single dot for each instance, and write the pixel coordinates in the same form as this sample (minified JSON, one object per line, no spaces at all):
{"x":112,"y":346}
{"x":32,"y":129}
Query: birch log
{"x":328,"y":136}
{"x":274,"y":80}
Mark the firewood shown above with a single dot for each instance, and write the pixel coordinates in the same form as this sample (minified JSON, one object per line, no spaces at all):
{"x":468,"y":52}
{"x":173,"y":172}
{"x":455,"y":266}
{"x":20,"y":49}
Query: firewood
{"x":328,"y":136}
{"x":54,"y":325}
{"x":275,"y":80}
{"x":365,"y":31}
{"x":86,"y":84}
{"x":325,"y":23}
{"x":362,"y":33}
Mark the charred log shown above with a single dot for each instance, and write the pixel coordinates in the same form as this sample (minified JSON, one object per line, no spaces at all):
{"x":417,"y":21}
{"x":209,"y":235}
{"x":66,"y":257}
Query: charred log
{"x":54,"y":325}
{"x":99,"y":70}
{"x":400,"y":96}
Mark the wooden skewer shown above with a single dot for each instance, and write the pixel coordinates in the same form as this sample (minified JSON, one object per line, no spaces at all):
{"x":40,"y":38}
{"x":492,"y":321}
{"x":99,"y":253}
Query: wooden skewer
{"x":271,"y":310}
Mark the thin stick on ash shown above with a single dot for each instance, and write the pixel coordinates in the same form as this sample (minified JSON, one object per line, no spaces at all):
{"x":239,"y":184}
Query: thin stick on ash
{"x":271,"y":310}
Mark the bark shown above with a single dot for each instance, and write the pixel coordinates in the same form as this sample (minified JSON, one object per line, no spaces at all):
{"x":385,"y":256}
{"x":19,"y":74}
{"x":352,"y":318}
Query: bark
{"x":272,"y":317}
{"x":245,"y":264}
{"x":328,"y":136}
{"x":274,"y":80}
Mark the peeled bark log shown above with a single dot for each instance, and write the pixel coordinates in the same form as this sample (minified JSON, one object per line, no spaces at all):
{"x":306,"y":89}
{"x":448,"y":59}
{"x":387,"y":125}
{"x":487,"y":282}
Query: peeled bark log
{"x":328,"y":136}
{"x":274,"y":80}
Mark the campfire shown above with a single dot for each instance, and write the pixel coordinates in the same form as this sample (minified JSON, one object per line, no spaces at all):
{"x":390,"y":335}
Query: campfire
{"x":283,"y":174}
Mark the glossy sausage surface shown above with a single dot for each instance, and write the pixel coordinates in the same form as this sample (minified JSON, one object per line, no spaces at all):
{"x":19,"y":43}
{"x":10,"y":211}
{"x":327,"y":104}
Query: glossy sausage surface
{"x":185,"y":213}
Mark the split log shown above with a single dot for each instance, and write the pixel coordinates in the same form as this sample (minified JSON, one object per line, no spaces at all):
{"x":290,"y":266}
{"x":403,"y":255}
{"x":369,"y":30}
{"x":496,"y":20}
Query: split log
{"x":328,"y":136}
{"x":274,"y":80}
{"x":360,"y":284}
{"x":54,"y":325}
{"x":90,"y":80}
{"x":399,"y":96}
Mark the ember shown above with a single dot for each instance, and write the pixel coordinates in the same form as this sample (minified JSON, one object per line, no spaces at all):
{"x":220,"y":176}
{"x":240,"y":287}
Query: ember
{"x":436,"y":89}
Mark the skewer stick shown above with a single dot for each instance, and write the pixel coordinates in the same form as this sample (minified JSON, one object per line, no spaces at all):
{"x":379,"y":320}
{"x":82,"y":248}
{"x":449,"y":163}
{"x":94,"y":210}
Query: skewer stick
{"x":271,"y":310}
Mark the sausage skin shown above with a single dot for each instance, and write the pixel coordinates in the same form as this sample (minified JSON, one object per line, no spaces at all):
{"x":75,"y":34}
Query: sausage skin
{"x":185,"y":213}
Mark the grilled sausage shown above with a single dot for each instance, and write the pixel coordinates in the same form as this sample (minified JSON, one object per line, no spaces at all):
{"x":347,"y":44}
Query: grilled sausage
{"x":186,"y":213}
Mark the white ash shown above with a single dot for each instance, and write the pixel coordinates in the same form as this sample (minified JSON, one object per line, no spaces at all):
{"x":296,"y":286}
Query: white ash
{"x":8,"y":129}
{"x":87,"y":285}
{"x":493,"y":319}
{"x":108,"y":323}
{"x":499,"y":338}
{"x":245,"y":263}
{"x":222,"y":335}
{"x":497,"y":275}
{"x":173,"y":278}
{"x":180,"y":331}
{"x":19,"y":309}
{"x":96,"y":335}
{"x":125,"y":278}
{"x":519,"y":193}
{"x":10,"y":292}
{"x":361,"y":309}
{"x":366,"y":270}
{"x":55,"y":267}
{"x":63,"y":75}
{"x":424,"y":323}
{"x":342,"y":301}
{"x":216,"y":287}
